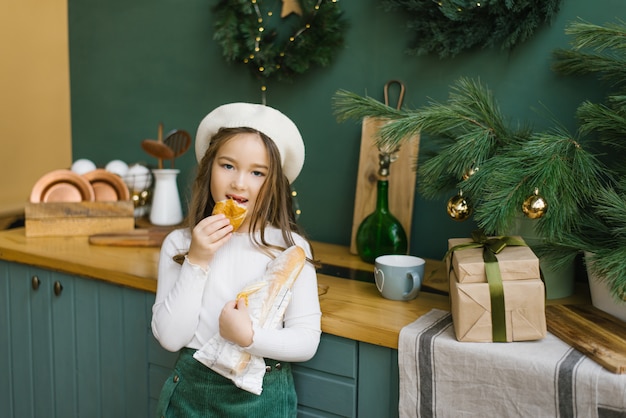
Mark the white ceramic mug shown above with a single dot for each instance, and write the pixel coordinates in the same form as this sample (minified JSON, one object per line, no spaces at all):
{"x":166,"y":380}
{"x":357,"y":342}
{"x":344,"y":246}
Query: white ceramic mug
{"x":399,"y":277}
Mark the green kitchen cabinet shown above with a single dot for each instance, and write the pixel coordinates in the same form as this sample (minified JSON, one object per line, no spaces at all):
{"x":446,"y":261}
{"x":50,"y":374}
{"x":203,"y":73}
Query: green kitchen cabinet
{"x":70,"y":347}
{"x":348,"y":378}
{"x":77,"y":347}
{"x":345,"y":378}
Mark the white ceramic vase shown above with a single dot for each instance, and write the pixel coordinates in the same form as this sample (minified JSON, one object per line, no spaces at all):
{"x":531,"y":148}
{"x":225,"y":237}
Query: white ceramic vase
{"x":601,"y":296}
{"x":166,"y":208}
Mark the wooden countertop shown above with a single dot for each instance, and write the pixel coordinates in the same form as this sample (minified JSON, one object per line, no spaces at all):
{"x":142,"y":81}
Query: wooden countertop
{"x":354,"y":309}
{"x":351,"y":307}
{"x":134,"y":267}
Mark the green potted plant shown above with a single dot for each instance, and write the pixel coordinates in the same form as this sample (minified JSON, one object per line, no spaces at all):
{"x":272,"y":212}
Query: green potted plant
{"x":601,"y":232}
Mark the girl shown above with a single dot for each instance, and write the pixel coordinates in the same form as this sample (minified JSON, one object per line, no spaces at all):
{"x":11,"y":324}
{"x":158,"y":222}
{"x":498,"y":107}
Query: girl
{"x":250,"y":153}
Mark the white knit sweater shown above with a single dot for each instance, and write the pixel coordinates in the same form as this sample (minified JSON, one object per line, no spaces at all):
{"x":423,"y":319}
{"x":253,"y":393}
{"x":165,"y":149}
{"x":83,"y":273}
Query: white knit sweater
{"x":189,"y":299}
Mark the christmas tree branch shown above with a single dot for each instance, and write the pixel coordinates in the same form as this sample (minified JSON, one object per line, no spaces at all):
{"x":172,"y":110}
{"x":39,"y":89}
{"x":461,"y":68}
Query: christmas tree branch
{"x":600,"y":118}
{"x":600,"y":38}
{"x":579,"y":63}
{"x":348,"y":105}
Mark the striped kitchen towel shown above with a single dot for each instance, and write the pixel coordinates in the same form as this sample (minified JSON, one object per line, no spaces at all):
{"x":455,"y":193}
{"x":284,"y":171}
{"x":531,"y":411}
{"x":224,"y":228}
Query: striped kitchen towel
{"x":442,"y":377}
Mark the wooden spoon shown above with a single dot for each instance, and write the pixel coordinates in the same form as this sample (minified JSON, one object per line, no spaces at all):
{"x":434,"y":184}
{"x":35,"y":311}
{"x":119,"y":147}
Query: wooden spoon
{"x":158,"y":148}
{"x":179,"y":142}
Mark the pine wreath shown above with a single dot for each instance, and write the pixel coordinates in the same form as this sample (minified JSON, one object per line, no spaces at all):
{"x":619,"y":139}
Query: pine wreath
{"x":254,"y":33}
{"x":447,"y":27}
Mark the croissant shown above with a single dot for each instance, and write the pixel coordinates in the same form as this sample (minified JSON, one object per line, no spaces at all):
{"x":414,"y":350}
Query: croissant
{"x":235,"y":212}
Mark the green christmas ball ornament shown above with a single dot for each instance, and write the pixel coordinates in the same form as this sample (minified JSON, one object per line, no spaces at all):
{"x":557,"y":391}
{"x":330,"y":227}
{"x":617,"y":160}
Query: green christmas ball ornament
{"x":535,"y":206}
{"x":459,"y":208}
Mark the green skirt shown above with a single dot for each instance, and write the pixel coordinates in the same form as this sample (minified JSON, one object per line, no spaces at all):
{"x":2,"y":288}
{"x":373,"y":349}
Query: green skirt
{"x":193,"y":391}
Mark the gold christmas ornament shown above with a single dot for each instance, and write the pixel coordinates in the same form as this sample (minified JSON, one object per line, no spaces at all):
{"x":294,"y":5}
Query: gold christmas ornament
{"x":469,"y":173}
{"x":458,"y":207}
{"x":535,"y":206}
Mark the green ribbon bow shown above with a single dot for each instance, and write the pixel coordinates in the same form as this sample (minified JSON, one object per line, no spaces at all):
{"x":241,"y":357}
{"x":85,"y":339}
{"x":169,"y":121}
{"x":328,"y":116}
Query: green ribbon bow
{"x":491,"y":247}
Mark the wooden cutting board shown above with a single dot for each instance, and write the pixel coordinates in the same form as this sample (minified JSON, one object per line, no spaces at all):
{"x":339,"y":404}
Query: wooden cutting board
{"x":598,"y":335}
{"x":151,"y":237}
{"x":402,"y":176}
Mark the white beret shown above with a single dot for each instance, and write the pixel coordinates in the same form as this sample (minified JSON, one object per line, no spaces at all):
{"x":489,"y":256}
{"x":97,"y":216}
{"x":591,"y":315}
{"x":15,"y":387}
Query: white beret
{"x":264,"y":119}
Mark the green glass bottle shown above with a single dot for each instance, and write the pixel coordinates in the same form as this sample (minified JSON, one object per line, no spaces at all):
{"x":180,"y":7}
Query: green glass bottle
{"x":380,"y":233}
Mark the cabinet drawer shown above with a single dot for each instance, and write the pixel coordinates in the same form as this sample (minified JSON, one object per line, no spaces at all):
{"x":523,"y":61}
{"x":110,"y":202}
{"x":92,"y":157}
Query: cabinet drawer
{"x":328,"y":382}
{"x":325,"y":392}
{"x":335,"y":355}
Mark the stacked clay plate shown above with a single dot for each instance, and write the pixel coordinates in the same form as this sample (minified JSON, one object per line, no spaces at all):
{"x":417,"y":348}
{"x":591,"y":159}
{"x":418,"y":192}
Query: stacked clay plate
{"x":67,"y":186}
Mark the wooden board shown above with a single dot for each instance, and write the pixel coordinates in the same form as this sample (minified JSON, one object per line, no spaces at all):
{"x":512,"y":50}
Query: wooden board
{"x":52,"y":210}
{"x":401,"y":180}
{"x":78,"y":218}
{"x":598,"y":335}
{"x":152,"y":237}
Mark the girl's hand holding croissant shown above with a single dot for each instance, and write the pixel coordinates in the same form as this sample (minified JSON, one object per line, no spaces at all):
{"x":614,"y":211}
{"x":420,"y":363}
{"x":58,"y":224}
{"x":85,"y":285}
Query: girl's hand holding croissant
{"x":207,"y":237}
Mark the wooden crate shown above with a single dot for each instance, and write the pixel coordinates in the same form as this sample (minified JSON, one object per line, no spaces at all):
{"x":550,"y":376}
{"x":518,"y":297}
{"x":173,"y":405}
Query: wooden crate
{"x":78,"y":218}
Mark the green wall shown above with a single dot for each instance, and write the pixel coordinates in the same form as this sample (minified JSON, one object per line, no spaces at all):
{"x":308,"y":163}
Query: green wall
{"x":136,"y":63}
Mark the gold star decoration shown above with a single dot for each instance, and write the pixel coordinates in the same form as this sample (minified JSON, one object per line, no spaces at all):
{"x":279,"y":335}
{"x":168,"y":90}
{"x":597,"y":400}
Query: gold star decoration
{"x":289,"y":7}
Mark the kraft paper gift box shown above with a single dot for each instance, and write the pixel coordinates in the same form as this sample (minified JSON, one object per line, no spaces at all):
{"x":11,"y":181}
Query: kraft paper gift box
{"x":524,"y":302}
{"x":515,"y":262}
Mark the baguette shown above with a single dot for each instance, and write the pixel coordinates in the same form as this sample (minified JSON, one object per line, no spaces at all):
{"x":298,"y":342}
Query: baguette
{"x":250,"y":289}
{"x":279,"y":277}
{"x":281,"y":272}
{"x":235,"y":212}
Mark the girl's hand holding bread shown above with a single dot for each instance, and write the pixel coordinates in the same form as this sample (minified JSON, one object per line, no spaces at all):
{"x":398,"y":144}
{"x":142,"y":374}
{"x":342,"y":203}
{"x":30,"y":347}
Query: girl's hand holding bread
{"x":207,"y":237}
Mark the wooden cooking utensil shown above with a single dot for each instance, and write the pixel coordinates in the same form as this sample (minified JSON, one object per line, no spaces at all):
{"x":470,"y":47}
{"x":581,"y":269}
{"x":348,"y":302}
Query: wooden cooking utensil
{"x":158,"y":149}
{"x":179,"y":142}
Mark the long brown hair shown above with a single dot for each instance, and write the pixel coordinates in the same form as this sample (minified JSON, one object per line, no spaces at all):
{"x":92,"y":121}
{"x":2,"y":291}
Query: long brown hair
{"x":273,"y":206}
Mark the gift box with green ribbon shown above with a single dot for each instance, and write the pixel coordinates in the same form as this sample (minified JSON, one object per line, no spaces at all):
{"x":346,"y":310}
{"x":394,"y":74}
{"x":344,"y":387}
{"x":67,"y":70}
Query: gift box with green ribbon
{"x":494,"y":309}
{"x":515,"y":259}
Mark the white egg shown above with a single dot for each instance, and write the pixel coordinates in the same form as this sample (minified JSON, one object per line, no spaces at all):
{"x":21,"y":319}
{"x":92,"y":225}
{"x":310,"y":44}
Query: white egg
{"x":82,"y":166}
{"x":138,"y":177}
{"x":118,"y":167}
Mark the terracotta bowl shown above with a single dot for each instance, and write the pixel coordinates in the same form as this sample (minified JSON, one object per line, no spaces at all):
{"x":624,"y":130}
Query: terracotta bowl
{"x":107,"y":186}
{"x":62,"y":186}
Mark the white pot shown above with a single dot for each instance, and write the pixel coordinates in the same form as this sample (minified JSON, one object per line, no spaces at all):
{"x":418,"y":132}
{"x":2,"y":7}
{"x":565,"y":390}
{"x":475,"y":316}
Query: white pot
{"x":601,"y":296}
{"x":166,"y":208}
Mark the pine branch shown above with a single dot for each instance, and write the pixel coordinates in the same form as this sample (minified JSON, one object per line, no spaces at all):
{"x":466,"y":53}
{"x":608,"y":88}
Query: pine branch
{"x":595,"y":49}
{"x":612,"y":208}
{"x":348,"y":105}
{"x":600,"y":225}
{"x":617,"y":102}
{"x":471,"y":109}
{"x":580,"y":63}
{"x":564,"y":173}
{"x":596,"y":37}
{"x":600,"y":118}
{"x":471,"y":128}
{"x":610,"y":248}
